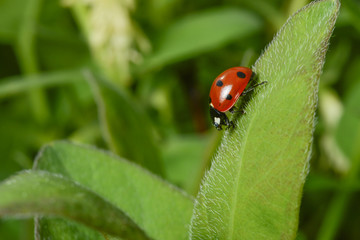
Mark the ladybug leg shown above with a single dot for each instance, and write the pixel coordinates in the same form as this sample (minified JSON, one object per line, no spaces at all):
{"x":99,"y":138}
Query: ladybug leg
{"x":230,"y":125}
{"x":252,"y":88}
{"x":236,"y":110}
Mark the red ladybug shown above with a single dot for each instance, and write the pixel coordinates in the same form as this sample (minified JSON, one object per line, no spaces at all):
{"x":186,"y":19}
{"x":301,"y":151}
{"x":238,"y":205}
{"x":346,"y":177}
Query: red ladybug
{"x":225,"y":91}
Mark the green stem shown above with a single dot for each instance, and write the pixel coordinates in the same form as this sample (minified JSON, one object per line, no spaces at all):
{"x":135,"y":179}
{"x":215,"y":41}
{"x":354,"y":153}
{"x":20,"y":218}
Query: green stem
{"x":334,"y":216}
{"x":15,"y":85}
{"x":26,"y":53}
{"x":81,"y":15}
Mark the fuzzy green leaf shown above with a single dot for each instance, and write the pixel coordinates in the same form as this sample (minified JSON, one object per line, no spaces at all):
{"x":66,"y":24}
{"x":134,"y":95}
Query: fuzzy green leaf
{"x":40,"y":193}
{"x":125,"y":125}
{"x":201,"y":32}
{"x":157,"y":207}
{"x":254,"y":187}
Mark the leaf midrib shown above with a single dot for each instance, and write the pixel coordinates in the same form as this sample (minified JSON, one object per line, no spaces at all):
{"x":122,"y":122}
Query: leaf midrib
{"x":232,"y":213}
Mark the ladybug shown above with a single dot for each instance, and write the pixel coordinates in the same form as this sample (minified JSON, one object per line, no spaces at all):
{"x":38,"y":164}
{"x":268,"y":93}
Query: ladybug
{"x":225,"y":91}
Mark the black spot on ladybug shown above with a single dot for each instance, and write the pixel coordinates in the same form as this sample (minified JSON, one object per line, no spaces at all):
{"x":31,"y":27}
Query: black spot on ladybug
{"x":241,"y":74}
{"x":228,"y":97}
{"x":219,"y":83}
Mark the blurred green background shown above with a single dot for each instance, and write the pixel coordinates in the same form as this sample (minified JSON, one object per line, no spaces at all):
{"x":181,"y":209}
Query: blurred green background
{"x":163,"y":55}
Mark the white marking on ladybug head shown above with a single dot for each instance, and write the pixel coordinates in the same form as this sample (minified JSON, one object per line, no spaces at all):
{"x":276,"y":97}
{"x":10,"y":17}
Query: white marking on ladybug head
{"x":217,"y":120}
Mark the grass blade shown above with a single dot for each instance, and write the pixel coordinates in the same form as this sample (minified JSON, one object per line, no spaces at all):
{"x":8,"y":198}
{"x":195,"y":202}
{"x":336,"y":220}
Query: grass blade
{"x":28,"y":59}
{"x":18,"y":84}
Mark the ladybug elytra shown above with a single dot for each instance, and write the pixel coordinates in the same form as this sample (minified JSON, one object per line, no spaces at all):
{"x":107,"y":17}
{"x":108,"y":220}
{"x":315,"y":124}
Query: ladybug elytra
{"x":225,"y":91}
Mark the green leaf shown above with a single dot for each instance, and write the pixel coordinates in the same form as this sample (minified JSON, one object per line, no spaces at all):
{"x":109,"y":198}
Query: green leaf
{"x":64,"y":229}
{"x":161,"y":210}
{"x":182,"y":160}
{"x":32,"y":193}
{"x":254,"y":186}
{"x":201,"y":32}
{"x":17,"y":229}
{"x":125,"y":126}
